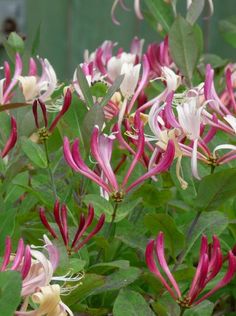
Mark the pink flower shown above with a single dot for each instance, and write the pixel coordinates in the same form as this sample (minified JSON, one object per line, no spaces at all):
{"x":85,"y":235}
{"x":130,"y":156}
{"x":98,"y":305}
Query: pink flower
{"x":7,"y":84}
{"x":60,"y":216}
{"x":34,"y":86}
{"x":209,"y":265}
{"x":12,"y":138}
{"x":101,"y":149}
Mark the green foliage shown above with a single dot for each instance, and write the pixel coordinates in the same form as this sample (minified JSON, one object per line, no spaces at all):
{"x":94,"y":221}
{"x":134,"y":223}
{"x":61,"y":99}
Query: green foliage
{"x":215,"y":189}
{"x":10,"y":290}
{"x":162,"y":13}
{"x":174,"y":239}
{"x":34,"y":152}
{"x":130,"y":303}
{"x":228,"y":30}
{"x":185,"y":43}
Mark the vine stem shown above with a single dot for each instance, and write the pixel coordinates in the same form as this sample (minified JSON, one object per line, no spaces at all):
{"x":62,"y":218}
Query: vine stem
{"x":50,"y":170}
{"x":113,"y":217}
{"x":182,"y":310}
{"x":108,"y":233}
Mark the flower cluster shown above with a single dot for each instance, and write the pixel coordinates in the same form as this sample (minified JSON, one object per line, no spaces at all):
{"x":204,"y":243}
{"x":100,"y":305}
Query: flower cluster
{"x":209,"y":265}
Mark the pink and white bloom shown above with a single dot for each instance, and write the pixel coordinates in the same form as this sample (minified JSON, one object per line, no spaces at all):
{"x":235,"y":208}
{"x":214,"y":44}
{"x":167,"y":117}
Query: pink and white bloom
{"x":101,"y":148}
{"x":209,"y":265}
{"x":34,"y":86}
{"x":8,"y":83}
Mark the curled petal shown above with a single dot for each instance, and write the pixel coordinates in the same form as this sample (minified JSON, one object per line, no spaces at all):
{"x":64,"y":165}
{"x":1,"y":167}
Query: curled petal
{"x":12,"y":139}
{"x":225,"y":280}
{"x":94,"y":232}
{"x":46,"y":223}
{"x":162,"y":166}
{"x":7,"y":253}
{"x":163,"y":263}
{"x":65,"y":107}
{"x":149,"y":255}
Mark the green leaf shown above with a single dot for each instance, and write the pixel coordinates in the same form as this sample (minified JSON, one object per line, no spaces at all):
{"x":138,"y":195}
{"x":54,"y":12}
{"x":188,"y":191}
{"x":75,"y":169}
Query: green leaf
{"x":104,"y":267}
{"x":34,"y":152}
{"x":209,"y":224}
{"x":228,"y":30}
{"x":36,"y":41}
{"x":100,"y":204}
{"x":119,"y":279}
{"x":87,"y":287}
{"x":215,"y":189}
{"x":185,"y":43}
{"x":98,"y":89}
{"x":205,"y":308}
{"x":124,"y":209}
{"x":95,"y":116}
{"x":215,"y":60}
{"x":162,"y":12}
{"x":14,"y":44}
{"x":195,"y":11}
{"x":130,"y":303}
{"x":83,"y":83}
{"x":112,"y":90}
{"x":131,"y":235}
{"x":174,"y":239}
{"x":7,"y":225}
{"x":152,"y":196}
{"x":10,"y":292}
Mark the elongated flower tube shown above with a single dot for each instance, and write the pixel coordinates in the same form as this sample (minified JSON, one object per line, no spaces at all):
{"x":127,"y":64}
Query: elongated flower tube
{"x":45,"y":131}
{"x":101,"y":149}
{"x":11,"y":140}
{"x":21,"y":261}
{"x":60,"y":217}
{"x":7,"y":84}
{"x":209,"y":265}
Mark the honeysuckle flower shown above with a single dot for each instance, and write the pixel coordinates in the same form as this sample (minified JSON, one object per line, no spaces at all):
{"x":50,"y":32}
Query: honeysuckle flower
{"x":115,"y":64}
{"x":11,"y":140}
{"x":45,"y":131}
{"x":49,"y":303}
{"x":90,"y":74}
{"x":121,"y":3}
{"x":210,"y":3}
{"x":158,"y":56}
{"x":210,"y":93}
{"x":60,"y":216}
{"x":136,"y":47}
{"x":209,"y":265}
{"x":41,"y":87}
{"x":7,"y":84}
{"x":101,"y":148}
{"x":21,"y":261}
{"x":189,"y":118}
{"x":130,"y":80}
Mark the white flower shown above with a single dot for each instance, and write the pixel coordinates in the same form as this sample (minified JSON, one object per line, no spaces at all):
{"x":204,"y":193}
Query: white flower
{"x":115,"y":64}
{"x":189,"y":117}
{"x":231,"y":120}
{"x":130,"y":80}
{"x":39,"y":87}
{"x":172,"y":80}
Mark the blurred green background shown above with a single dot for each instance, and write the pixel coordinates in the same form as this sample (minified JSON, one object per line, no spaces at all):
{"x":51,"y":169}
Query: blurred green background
{"x":68,"y":27}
